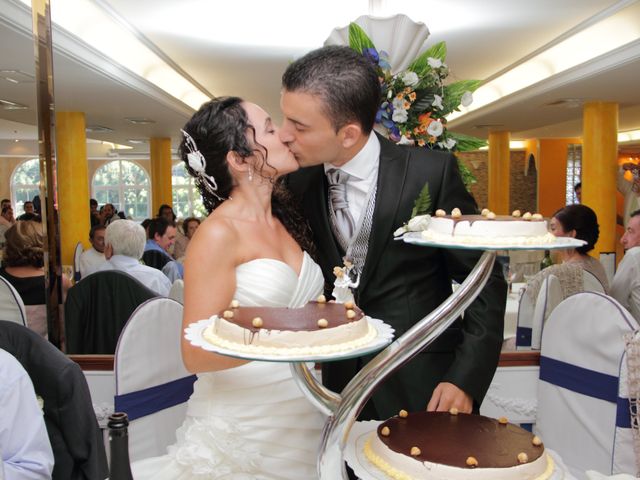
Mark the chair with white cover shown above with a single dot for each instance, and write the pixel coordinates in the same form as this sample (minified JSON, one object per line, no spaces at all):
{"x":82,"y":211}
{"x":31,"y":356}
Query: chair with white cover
{"x":11,"y":305}
{"x":525,"y":321}
{"x":152,"y":384}
{"x":550,"y":296}
{"x":177,"y":290}
{"x":582,"y":413}
{"x":77,"y":253}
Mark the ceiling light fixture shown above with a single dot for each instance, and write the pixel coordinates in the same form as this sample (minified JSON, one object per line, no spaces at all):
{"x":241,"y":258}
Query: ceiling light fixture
{"x":16,"y":76}
{"x":595,"y":40}
{"x":9,"y":105}
{"x":97,"y":129}
{"x":98,"y":25}
{"x":629,"y":136}
{"x":140,"y":120}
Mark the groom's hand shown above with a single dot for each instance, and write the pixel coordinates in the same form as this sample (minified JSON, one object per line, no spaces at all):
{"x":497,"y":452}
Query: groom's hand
{"x":446,"y":395}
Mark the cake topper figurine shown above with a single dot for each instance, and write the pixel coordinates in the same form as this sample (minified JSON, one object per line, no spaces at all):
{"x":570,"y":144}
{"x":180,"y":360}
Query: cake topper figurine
{"x":343,"y":283}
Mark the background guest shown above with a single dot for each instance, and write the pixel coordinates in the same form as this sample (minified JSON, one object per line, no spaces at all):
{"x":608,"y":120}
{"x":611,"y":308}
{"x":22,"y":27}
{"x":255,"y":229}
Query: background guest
{"x":6,"y":217}
{"x":94,"y":215}
{"x":23,"y":268}
{"x":124,"y":245}
{"x":25,"y":448}
{"x":108,"y":214}
{"x":29,"y":212}
{"x":625,"y":286}
{"x":189,"y":227}
{"x":167,"y":212}
{"x":93,"y":257}
{"x":162,"y":236}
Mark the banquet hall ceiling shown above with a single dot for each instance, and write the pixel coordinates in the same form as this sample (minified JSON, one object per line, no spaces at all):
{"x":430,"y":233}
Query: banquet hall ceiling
{"x":245,"y":59}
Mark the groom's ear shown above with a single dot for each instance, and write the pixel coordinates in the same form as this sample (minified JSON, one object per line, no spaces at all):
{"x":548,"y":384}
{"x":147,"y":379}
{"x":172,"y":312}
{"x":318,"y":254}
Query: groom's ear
{"x":350,"y":134}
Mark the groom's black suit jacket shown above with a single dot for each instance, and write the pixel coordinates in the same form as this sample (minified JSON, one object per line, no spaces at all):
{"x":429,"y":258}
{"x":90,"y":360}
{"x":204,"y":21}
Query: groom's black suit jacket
{"x":402,"y":283}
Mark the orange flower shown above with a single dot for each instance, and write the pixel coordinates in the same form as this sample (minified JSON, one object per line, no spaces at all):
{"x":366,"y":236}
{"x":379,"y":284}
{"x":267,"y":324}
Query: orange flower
{"x":412,"y":96}
{"x":421,"y":143}
{"x":425,"y":119}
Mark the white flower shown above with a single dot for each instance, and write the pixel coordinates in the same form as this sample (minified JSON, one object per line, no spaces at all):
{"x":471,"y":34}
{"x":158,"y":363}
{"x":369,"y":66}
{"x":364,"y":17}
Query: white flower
{"x":400,"y":115}
{"x":405,"y":141}
{"x":409,"y":78}
{"x":467,"y":99}
{"x":400,"y":231}
{"x":389,"y":94}
{"x":419,"y":223}
{"x":448,"y":144}
{"x":437,"y":102}
{"x":434,"y":62}
{"x":435,"y":128}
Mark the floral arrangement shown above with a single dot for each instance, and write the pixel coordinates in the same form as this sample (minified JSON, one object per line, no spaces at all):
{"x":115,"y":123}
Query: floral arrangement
{"x":416,"y":101}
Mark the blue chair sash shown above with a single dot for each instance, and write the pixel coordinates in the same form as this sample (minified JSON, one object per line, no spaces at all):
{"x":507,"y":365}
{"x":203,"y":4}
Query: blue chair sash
{"x":586,"y":382}
{"x":154,"y":399}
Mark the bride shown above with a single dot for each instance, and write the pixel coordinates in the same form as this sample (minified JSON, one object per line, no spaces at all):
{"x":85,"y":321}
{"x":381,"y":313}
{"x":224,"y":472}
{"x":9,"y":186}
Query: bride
{"x":245,"y":420}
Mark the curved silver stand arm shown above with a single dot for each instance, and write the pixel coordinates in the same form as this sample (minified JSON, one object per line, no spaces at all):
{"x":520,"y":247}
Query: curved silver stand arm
{"x":346,"y":407}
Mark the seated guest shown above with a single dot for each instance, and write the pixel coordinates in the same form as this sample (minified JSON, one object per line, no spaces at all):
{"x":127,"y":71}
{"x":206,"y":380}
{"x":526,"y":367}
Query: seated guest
{"x":6,"y":217}
{"x":108,"y":214}
{"x":625,"y":286}
{"x":189,"y":227}
{"x":575,"y":221}
{"x":93,"y":257}
{"x":29,"y":212}
{"x":94,"y":215}
{"x":125,"y":242}
{"x":24,"y":269}
{"x":167,"y":212}
{"x":162,"y":235}
{"x":25,"y":448}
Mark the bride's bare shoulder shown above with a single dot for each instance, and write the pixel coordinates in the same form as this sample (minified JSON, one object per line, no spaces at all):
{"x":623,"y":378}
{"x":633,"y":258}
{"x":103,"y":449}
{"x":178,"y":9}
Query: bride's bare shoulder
{"x":216,"y":232}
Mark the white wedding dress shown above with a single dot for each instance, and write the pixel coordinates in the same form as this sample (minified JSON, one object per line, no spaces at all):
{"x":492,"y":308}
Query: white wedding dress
{"x":252,"y":421}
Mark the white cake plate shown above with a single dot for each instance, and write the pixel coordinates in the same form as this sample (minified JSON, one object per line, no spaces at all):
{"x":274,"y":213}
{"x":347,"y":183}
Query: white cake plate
{"x":415,"y":238}
{"x":364,"y":470}
{"x":384,"y":336}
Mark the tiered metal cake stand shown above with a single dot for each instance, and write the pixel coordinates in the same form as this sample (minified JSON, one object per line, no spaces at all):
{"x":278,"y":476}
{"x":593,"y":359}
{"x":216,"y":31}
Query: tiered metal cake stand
{"x":343,"y":408}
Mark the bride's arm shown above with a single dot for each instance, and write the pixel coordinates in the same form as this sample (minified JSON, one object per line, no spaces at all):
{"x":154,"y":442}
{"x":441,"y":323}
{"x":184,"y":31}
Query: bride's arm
{"x":209,"y":285}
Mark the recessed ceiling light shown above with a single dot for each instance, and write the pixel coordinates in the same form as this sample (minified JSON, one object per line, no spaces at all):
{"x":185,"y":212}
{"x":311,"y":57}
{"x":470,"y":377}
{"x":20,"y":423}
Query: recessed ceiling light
{"x":8,"y":105}
{"x":97,"y":129}
{"x":139,"y":120}
{"x":566,"y":103}
{"x":488,"y":125}
{"x":137,"y":141}
{"x":16,"y":76}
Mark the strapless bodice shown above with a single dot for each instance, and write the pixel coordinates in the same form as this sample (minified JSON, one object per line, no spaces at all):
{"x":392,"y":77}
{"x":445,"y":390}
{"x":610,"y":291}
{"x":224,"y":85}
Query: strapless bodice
{"x":266,"y":282}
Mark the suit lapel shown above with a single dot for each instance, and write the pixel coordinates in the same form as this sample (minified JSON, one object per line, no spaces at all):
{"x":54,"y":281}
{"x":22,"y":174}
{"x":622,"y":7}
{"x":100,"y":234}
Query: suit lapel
{"x":392,"y":171}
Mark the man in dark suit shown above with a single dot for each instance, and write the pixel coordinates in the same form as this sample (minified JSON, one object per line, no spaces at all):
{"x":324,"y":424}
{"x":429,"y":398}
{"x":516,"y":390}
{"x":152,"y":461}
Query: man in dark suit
{"x":356,"y":190}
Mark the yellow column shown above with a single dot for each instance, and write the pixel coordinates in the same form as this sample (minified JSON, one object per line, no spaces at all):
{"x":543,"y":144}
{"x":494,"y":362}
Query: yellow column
{"x":73,"y":183}
{"x":499,"y":171}
{"x":599,"y":166}
{"x":160,"y":173}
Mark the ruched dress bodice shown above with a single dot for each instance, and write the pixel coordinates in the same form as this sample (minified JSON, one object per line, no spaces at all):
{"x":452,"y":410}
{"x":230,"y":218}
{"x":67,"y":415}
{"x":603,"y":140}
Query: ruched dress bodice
{"x":252,"y":421}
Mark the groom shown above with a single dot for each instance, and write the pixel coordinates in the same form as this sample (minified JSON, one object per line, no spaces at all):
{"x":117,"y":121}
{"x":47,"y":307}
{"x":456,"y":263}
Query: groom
{"x":356,"y":190}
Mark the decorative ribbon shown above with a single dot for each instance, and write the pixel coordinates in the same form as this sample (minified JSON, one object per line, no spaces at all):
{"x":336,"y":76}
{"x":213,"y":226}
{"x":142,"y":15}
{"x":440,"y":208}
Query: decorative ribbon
{"x":154,"y":399}
{"x":586,"y":382}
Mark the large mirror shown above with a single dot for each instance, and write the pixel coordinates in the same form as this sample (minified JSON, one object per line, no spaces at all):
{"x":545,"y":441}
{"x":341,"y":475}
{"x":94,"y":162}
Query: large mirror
{"x":125,"y":105}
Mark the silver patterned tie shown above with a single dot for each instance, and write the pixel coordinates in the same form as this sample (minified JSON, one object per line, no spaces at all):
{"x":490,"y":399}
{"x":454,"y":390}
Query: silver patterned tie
{"x":338,"y":197}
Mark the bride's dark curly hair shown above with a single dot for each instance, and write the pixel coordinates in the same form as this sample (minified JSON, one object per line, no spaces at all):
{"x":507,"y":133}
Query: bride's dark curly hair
{"x":221,"y":126}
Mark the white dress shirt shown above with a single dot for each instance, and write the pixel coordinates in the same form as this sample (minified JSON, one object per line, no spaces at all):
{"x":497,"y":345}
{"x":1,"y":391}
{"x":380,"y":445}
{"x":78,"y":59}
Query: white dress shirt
{"x":625,"y":286}
{"x":149,"y":277}
{"x":363,"y":171}
{"x":90,"y":260}
{"x":24,"y":444}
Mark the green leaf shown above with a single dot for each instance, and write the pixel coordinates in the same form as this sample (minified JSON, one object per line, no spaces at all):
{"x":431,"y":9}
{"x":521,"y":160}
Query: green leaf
{"x":421,"y":64}
{"x":466,"y":143}
{"x":358,"y":39}
{"x":454,"y":91}
{"x":422,"y":204}
{"x":468,"y":178}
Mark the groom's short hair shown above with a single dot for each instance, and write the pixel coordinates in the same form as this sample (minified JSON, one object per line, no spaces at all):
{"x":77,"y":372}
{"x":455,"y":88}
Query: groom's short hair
{"x":344,"y":80}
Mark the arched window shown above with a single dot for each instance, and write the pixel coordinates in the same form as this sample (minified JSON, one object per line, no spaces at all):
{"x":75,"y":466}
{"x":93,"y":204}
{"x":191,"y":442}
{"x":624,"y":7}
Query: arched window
{"x":25,"y":184}
{"x":187,"y":201}
{"x":126,"y":185}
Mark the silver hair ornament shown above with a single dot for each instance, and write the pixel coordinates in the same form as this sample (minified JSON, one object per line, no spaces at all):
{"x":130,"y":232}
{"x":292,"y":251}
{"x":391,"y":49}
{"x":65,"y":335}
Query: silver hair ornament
{"x":198,"y":163}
